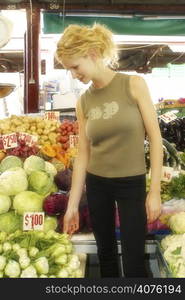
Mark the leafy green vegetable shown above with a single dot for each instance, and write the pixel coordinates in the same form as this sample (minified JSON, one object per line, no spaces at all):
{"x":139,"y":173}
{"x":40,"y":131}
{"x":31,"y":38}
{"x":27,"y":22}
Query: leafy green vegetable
{"x":177,"y":222}
{"x":10,"y":222}
{"x":50,"y":168}
{"x":177,"y":186}
{"x":29,"y":255}
{"x":34,"y":163}
{"x":13,"y":181}
{"x":10,"y":161}
{"x":40,"y":182}
{"x":27,"y":201}
{"x":50,"y":223}
{"x":5,"y":203}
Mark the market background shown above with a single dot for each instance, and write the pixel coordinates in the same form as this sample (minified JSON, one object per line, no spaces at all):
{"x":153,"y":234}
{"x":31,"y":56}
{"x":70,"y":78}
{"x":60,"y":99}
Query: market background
{"x":39,"y":133}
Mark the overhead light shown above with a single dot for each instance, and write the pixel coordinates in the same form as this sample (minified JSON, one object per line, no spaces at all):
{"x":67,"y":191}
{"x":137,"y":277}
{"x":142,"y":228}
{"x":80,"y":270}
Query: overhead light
{"x":163,"y":18}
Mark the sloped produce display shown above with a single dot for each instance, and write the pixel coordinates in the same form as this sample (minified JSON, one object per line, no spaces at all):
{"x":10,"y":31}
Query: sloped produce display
{"x":38,"y":255}
{"x":173,"y":245}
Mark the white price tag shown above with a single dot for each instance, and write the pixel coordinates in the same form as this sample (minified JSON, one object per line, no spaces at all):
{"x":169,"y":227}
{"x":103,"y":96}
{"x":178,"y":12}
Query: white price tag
{"x":33,"y":221}
{"x":52,"y":115}
{"x":29,"y":139}
{"x":168,"y":117}
{"x":73,"y":140}
{"x":167,"y":174}
{"x":9,"y":140}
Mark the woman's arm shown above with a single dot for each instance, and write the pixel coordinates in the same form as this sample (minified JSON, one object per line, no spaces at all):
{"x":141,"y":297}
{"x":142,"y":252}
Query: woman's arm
{"x":140,"y":92}
{"x":71,"y":218}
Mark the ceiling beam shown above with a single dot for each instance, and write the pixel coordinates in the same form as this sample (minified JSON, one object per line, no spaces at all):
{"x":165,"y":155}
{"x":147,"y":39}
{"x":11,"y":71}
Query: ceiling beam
{"x":153,"y":9}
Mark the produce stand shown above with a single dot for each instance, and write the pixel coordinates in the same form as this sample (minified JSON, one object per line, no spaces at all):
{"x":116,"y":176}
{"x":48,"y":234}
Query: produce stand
{"x":155,"y":261}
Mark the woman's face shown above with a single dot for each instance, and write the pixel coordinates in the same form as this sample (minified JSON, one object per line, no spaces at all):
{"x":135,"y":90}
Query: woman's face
{"x":81,"y":68}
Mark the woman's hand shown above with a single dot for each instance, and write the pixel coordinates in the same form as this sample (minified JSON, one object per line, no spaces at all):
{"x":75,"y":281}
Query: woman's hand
{"x":71,"y":221}
{"x":153,"y":206}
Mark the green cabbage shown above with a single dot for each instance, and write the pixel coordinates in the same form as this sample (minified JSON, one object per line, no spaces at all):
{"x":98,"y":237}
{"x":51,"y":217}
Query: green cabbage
{"x":50,"y":223}
{"x":40,"y":182}
{"x":10,"y":222}
{"x":13,"y":181}
{"x":34,"y":163}
{"x":5,"y":203}
{"x":50,"y":168}
{"x":10,"y":161}
{"x":27,"y":201}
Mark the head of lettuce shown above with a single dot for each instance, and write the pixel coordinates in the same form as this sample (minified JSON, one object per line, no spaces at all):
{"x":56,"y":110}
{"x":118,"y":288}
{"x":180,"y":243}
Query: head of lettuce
{"x":13,"y":181}
{"x":27,"y":201}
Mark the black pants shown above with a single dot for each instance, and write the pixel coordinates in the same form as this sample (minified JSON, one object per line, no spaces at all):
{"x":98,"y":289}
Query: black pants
{"x":130,"y":195}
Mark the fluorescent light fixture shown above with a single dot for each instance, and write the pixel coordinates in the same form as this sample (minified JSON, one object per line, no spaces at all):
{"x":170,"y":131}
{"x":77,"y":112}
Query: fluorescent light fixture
{"x":163,"y":18}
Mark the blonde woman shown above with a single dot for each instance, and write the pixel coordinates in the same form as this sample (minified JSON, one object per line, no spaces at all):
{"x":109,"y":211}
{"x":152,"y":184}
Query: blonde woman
{"x":113,"y":114}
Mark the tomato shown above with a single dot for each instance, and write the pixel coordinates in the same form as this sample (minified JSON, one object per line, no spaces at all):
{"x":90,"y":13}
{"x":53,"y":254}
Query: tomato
{"x":64,"y":132}
{"x":64,"y":139}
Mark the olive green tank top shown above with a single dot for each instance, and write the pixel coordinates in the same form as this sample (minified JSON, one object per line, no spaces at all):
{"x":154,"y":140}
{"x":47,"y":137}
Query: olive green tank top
{"x":115,"y":130}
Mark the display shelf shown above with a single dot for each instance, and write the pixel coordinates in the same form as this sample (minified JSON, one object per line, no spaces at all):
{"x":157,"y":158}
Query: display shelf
{"x":85,"y":243}
{"x":155,"y":263}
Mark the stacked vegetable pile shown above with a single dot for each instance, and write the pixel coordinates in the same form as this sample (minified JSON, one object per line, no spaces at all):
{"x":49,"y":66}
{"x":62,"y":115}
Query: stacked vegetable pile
{"x":173,"y":245}
{"x":173,"y":189}
{"x":23,"y":186}
{"x":38,"y":254}
{"x":46,"y":130}
{"x":173,"y":200}
{"x":66,"y":129}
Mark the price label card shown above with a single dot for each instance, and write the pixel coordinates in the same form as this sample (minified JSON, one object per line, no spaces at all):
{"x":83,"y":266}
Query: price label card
{"x":9,"y":140}
{"x":29,"y":139}
{"x":33,"y":221}
{"x":73,"y":140}
{"x":168,"y":117}
{"x":167,"y":174}
{"x":52,"y":115}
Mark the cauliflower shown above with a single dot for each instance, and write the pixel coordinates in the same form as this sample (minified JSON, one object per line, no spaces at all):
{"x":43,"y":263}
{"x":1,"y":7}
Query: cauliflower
{"x":175,"y":239}
{"x":177,"y":222}
{"x":172,"y":253}
{"x":12,"y":269}
{"x":181,"y":271}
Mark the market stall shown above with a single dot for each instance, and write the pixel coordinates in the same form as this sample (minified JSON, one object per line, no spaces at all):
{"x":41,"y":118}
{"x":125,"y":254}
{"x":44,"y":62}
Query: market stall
{"x":37,"y":152}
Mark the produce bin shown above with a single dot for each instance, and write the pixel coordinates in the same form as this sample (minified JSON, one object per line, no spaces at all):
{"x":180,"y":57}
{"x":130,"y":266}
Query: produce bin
{"x":156,"y":264}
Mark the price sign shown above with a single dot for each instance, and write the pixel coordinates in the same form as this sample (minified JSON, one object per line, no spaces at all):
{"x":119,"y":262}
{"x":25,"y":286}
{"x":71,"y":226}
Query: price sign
{"x":168,"y":117}
{"x":167,"y":174}
{"x":33,"y":221}
{"x":73,"y":140}
{"x":9,"y":140}
{"x":29,"y":139}
{"x":52,"y":115}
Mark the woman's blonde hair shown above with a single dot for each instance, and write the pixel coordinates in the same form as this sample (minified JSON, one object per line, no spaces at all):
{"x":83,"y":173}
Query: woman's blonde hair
{"x":78,"y":40}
